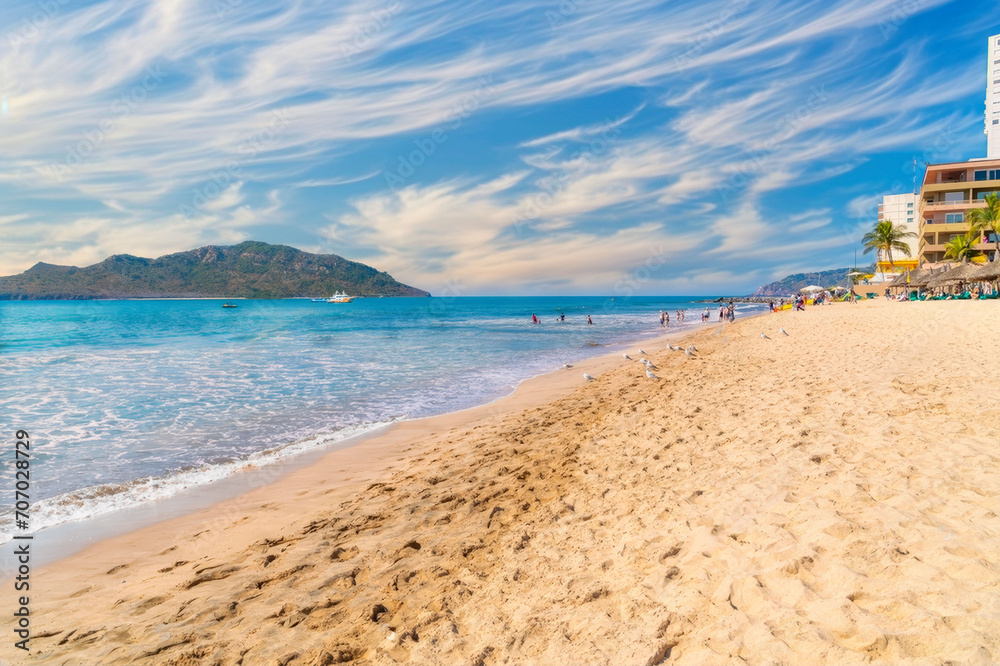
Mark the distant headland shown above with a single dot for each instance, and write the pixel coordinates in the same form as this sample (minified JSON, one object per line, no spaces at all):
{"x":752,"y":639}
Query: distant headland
{"x":251,"y":269}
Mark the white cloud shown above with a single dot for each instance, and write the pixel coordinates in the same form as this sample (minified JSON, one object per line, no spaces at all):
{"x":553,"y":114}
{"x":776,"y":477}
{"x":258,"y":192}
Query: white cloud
{"x":228,"y":198}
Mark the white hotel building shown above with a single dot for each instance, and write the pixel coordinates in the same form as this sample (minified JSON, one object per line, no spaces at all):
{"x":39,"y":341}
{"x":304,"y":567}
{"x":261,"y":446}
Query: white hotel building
{"x":993,"y":98}
{"x":904,"y":211}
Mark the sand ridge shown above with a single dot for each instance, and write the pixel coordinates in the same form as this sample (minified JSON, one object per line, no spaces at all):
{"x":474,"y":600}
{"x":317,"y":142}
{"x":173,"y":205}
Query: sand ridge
{"x":828,"y":496}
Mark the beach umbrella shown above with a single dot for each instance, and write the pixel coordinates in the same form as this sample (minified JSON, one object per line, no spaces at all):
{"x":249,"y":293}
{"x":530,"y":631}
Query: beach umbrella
{"x":812,"y":289}
{"x":939,"y":277}
{"x":962,"y":273}
{"x":900,"y":280}
{"x":921,"y":277}
{"x":989,"y":270}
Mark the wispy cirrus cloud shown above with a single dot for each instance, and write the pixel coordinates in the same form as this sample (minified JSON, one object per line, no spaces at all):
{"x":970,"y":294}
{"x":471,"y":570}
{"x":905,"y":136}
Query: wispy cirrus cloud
{"x":119,"y":114}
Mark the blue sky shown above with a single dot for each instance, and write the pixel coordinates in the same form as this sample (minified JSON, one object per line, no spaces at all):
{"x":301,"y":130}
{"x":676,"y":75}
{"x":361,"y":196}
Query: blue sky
{"x":573,"y":147}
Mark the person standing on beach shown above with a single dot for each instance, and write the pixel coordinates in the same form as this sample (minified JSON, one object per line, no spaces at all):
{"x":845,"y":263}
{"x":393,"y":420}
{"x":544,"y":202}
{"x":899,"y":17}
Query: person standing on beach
{"x":534,"y":319}
{"x":722,"y":312}
{"x":589,"y":321}
{"x":666,"y":319}
{"x":663,"y":321}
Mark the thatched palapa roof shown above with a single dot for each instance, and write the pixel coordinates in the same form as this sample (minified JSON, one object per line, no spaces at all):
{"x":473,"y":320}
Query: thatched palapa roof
{"x":921,"y":277}
{"x":962,"y":273}
{"x":988,"y":271}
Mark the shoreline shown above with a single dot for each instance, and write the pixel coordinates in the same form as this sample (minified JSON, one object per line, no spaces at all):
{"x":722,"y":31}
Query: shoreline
{"x":66,"y":539}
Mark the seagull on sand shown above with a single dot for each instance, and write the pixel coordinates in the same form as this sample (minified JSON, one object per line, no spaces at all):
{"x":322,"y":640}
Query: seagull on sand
{"x":567,"y":365}
{"x":626,"y":357}
{"x":693,"y":348}
{"x":690,"y":353}
{"x":588,"y":377}
{"x":648,"y":363}
{"x":783,"y":330}
{"x":764,"y":337}
{"x":649,"y":373}
{"x":641,"y":352}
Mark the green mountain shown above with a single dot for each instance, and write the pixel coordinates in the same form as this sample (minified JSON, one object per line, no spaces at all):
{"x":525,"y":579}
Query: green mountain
{"x":251,"y":269}
{"x":792,"y":283}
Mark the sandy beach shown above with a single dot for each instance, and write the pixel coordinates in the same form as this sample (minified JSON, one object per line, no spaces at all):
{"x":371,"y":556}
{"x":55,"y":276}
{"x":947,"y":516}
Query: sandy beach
{"x":827,"y":496}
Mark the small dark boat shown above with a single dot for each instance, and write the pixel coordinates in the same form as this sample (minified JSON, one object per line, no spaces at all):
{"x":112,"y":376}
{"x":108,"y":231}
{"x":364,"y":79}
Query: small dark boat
{"x":228,"y":305}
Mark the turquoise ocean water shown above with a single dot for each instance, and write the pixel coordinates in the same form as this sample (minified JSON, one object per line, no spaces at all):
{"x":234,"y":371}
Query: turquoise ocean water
{"x":132,"y":401}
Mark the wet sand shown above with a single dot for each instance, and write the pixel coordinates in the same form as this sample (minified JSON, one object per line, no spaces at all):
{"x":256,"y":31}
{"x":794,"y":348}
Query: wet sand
{"x":829,"y":496}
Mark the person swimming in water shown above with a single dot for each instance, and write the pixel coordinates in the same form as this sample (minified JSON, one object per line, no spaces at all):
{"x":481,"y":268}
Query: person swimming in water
{"x":589,"y":321}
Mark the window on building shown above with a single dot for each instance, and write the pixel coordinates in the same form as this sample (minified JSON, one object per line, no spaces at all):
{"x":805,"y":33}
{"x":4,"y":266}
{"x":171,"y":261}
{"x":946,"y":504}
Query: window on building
{"x":909,"y":220}
{"x":983,"y":195}
{"x":909,"y":205}
{"x":954,"y":218}
{"x":996,"y":122}
{"x":981,"y":175}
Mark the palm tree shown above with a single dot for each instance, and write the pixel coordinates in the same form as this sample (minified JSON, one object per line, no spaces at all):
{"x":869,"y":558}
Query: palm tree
{"x":886,"y":237}
{"x":962,"y":247}
{"x":988,"y":219}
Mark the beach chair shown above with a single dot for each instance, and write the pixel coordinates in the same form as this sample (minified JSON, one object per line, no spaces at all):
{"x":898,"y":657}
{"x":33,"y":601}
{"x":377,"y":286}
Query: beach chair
{"x":964,"y":297}
{"x":871,"y":295}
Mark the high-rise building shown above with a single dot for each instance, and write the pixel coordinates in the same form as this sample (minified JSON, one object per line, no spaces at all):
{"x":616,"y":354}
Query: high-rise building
{"x":947,"y":195}
{"x":904,"y":211}
{"x":993,"y":98}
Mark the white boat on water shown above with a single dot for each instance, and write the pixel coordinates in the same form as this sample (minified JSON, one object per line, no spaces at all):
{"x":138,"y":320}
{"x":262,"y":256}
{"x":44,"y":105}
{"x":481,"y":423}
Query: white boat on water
{"x":340,"y":297}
